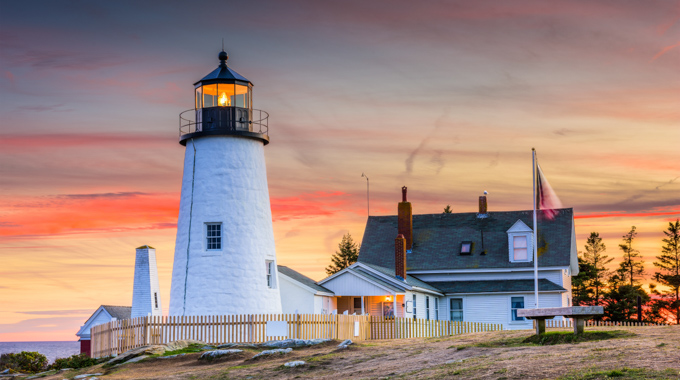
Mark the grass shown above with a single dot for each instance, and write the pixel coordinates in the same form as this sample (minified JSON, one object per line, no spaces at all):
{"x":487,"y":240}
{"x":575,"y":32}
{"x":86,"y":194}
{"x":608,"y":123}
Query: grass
{"x":623,"y":374}
{"x":563,"y":337}
{"x":190,"y":349}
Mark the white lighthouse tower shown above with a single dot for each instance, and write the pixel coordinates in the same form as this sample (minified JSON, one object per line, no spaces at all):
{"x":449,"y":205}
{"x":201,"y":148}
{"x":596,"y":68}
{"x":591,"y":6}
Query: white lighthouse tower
{"x":225,"y":258}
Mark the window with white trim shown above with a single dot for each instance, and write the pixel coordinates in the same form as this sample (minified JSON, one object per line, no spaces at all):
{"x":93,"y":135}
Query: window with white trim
{"x":213,"y":235}
{"x":427,"y":307}
{"x":516,"y":303}
{"x":456,"y":309}
{"x":414,"y":307}
{"x":519,"y":248}
{"x":436,"y":309}
{"x":270,"y":274}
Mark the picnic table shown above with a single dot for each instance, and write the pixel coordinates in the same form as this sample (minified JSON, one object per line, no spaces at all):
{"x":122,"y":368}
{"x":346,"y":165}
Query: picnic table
{"x":578,"y":313}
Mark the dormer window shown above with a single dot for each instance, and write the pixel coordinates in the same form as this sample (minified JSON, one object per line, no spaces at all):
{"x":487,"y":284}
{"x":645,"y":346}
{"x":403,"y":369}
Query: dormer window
{"x":520,"y":239}
{"x":519,"y":248}
{"x":466,"y":248}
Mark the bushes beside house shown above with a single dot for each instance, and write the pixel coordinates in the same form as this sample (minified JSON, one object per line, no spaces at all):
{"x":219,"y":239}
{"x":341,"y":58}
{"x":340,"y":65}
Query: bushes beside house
{"x":25,"y":361}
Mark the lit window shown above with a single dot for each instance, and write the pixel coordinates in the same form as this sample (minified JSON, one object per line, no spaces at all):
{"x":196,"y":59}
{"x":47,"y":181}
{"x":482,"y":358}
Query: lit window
{"x":516,"y":303}
{"x":519,"y":248}
{"x":466,"y":248}
{"x":270,"y":274}
{"x":213,"y":236}
{"x":456,"y":309}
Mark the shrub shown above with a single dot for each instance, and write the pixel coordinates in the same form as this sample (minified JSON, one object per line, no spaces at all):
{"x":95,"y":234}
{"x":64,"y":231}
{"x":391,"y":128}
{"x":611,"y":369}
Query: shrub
{"x":28,"y":362}
{"x":74,"y":361}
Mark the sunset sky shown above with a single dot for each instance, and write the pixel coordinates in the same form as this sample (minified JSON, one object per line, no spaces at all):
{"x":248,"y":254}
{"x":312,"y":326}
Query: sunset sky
{"x":445,"y":97}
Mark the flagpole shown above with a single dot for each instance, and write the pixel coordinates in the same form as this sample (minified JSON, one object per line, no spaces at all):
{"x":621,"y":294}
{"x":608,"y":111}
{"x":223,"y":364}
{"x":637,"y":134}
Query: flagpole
{"x":535,"y":246}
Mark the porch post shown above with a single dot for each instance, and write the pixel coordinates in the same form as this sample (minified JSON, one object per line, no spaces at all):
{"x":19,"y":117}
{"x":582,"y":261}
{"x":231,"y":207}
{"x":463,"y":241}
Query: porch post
{"x":362,"y":305}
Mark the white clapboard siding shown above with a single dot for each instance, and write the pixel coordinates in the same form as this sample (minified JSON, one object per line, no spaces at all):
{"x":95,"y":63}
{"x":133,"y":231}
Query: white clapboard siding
{"x":552,"y":275}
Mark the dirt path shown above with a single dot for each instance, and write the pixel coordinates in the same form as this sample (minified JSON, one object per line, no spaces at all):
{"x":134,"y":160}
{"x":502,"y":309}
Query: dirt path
{"x":652,"y":352}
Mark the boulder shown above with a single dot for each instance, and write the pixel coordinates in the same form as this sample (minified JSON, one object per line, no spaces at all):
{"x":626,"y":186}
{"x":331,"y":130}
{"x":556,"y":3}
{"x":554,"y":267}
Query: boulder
{"x":238,"y":345}
{"x":171,"y":356}
{"x":89,"y":376}
{"x":277,"y":351}
{"x":136,"y":359}
{"x":180,"y":344}
{"x":144,"y":350}
{"x":215,"y":354}
{"x":345,"y":344}
{"x":295,"y":363}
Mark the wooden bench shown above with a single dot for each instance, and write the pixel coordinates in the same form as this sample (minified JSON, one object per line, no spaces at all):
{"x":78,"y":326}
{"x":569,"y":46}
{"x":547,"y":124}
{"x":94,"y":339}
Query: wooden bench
{"x":578,"y":313}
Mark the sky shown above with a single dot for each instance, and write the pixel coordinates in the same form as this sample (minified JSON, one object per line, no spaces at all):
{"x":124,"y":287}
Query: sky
{"x":445,"y":97}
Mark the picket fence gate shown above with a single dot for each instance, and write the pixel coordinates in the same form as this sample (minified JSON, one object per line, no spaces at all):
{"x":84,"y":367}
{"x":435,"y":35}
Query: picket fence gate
{"x":118,"y":336}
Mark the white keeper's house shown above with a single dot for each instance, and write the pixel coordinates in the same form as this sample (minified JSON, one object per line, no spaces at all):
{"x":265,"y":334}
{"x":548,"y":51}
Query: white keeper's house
{"x":475,"y":267}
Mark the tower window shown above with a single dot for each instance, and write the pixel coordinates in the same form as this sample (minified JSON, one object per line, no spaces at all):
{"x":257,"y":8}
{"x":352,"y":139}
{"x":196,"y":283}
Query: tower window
{"x":155,"y":299}
{"x":270,"y":275}
{"x":213,"y":236}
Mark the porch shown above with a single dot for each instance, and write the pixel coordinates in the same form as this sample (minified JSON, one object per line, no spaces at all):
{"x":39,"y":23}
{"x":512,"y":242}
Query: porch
{"x":380,"y":306}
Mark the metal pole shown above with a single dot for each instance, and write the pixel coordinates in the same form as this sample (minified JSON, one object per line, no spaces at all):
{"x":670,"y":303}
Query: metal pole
{"x":535,"y":239}
{"x":368,"y":205}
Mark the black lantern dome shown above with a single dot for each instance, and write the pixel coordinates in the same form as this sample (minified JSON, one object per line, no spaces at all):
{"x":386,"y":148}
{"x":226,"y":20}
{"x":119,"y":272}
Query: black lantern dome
{"x":223,"y":106}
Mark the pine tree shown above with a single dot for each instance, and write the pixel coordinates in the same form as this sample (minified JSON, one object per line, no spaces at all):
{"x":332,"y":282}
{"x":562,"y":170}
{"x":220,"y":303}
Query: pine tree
{"x":632,"y":266}
{"x":594,"y":255}
{"x":447,"y":210}
{"x":348,"y":255}
{"x":583,"y":294}
{"x":669,"y":263}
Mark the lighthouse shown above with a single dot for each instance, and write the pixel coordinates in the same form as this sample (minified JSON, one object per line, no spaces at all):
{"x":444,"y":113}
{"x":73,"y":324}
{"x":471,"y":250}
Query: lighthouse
{"x":225,"y":258}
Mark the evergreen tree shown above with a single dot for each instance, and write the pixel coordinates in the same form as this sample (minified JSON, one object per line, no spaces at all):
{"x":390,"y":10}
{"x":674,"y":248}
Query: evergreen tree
{"x":620,"y":302}
{"x":595,"y":257}
{"x":348,"y":255}
{"x":669,"y":263}
{"x":582,"y":292}
{"x":632,"y":266}
{"x":447,"y":210}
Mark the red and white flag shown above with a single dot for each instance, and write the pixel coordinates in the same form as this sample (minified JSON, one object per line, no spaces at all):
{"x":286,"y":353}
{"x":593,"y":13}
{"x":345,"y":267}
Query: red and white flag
{"x":546,"y":200}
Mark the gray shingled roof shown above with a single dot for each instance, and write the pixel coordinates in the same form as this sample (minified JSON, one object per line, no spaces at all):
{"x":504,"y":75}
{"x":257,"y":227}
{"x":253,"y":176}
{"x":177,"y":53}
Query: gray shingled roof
{"x":437,"y":239}
{"x":413,"y":281}
{"x":119,"y":312}
{"x":301,"y":278}
{"x":492,"y":286}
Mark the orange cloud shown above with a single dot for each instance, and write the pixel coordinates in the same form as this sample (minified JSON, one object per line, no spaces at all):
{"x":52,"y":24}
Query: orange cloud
{"x":310,"y":205}
{"x":663,"y":51}
{"x":619,"y":214}
{"x":82,"y":213}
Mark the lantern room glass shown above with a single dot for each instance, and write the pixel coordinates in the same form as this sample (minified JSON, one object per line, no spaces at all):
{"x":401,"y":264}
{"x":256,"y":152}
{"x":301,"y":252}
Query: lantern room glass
{"x":223,"y":95}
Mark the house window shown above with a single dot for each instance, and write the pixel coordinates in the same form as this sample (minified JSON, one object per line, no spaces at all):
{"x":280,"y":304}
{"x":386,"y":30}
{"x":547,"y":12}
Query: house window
{"x":270,"y":274}
{"x":519,"y":248}
{"x":436,"y":309}
{"x":414,"y":307}
{"x":456,"y":309}
{"x":155,"y":299}
{"x":213,"y":234}
{"x":427,"y":307}
{"x":516,"y":303}
{"x":466,"y":248}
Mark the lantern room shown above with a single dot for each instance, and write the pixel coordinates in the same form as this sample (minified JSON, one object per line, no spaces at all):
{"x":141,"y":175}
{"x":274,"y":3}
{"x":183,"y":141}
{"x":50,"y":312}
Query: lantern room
{"x":223,"y":106}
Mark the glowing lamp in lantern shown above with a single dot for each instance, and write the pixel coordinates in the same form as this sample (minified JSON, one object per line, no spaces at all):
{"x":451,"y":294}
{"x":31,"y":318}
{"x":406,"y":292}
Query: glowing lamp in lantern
{"x":388,"y":298}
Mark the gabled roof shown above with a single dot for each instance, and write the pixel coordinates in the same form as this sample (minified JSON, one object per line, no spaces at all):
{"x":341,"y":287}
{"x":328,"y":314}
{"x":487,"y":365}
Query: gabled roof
{"x":437,"y":239}
{"x":496,"y":286}
{"x":385,"y":278}
{"x":118,"y":312}
{"x":301,"y":278}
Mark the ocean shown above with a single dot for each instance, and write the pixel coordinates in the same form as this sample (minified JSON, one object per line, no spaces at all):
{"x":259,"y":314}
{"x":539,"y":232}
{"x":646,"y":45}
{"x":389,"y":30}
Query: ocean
{"x":51,"y":350}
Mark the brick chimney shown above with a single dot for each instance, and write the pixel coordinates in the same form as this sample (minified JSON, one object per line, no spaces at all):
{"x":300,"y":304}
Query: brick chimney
{"x":405,"y":219}
{"x":482,"y":204}
{"x":400,"y":256}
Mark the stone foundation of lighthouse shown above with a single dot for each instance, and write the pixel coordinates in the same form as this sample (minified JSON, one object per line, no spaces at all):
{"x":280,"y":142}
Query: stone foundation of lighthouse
{"x":225,"y":193}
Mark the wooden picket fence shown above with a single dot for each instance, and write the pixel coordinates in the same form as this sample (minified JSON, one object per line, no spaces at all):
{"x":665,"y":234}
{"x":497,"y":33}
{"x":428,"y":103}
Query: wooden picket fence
{"x":568,"y":323}
{"x":119,"y":336}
